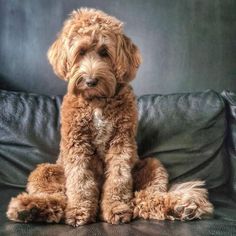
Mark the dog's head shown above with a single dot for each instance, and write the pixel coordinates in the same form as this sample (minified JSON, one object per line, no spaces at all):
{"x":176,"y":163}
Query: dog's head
{"x":93,"y":54}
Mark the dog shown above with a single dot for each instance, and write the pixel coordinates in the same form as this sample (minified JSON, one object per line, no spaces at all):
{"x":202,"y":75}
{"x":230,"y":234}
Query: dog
{"x":98,"y":173}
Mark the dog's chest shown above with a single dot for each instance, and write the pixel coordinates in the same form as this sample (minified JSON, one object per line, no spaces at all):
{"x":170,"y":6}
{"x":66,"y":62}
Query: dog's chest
{"x":103,"y":130}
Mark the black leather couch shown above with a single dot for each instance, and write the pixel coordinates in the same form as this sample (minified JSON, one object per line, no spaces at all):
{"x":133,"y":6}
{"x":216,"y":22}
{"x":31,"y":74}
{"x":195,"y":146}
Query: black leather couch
{"x":193,"y":134}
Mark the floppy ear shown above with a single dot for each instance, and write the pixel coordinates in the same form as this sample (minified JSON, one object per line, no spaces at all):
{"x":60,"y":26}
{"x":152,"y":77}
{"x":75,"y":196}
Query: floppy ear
{"x":57,"y":57}
{"x":128,"y":59}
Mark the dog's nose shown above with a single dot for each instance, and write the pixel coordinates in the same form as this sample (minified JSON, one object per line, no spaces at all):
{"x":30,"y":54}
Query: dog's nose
{"x":91,"y":82}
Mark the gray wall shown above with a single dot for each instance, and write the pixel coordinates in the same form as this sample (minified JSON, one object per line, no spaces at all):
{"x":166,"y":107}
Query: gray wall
{"x":187,"y":45}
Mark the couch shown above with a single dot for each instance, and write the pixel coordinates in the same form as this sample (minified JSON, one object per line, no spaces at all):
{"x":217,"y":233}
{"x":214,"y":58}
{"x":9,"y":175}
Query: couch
{"x":193,"y":134}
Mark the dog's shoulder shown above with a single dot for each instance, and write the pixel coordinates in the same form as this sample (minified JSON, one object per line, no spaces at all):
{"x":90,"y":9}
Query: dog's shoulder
{"x":75,"y":111}
{"x":123,"y":99}
{"x":122,"y":109}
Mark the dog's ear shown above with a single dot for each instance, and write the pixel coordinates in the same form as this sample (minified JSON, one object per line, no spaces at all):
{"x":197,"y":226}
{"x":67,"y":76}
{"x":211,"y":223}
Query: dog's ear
{"x":128,"y":59}
{"x":57,"y":57}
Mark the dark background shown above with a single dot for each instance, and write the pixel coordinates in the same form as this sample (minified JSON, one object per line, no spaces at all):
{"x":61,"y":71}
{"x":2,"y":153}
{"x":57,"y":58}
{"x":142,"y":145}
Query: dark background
{"x":187,"y":45}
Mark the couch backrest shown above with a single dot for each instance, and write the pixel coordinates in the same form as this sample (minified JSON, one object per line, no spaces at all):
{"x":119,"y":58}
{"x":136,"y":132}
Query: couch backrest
{"x":29,"y":134}
{"x":230,"y":101}
{"x":185,"y":131}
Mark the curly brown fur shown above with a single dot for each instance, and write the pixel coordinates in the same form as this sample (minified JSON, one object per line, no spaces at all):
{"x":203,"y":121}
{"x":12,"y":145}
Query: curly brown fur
{"x":153,"y":200}
{"x":93,"y":175}
{"x":45,"y":200}
{"x":43,"y":207}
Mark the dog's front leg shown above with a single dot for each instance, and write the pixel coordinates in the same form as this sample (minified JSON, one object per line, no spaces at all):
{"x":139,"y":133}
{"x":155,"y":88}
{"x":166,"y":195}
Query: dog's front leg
{"x":118,"y":187}
{"x":81,"y":187}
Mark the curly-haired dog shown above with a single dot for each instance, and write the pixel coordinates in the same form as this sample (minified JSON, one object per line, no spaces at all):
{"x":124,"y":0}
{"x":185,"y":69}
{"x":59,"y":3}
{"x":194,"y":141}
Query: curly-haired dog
{"x":98,"y":170}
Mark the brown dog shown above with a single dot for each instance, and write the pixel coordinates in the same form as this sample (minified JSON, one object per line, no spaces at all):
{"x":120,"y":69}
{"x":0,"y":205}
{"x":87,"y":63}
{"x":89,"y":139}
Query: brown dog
{"x":98,"y":170}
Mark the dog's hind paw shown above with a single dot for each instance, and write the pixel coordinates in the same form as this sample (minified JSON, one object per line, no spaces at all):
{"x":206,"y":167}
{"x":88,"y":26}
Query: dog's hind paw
{"x":36,"y":208}
{"x":191,"y":201}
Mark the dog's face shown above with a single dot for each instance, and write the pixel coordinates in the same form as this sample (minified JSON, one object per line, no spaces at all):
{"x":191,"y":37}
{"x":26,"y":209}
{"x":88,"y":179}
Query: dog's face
{"x":93,"y":54}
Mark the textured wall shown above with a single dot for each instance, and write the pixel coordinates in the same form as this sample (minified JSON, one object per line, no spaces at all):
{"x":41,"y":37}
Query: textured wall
{"x":187,"y":45}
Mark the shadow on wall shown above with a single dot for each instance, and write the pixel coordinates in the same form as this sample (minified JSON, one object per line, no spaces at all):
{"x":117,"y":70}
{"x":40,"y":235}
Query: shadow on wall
{"x":5,"y":84}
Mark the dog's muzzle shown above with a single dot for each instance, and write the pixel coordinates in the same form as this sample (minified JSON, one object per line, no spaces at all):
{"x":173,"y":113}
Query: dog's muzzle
{"x":91,"y":82}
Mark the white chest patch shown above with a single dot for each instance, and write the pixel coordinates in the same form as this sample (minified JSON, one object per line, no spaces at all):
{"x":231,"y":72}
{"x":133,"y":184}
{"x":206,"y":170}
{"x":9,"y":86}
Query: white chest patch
{"x":104,"y":130}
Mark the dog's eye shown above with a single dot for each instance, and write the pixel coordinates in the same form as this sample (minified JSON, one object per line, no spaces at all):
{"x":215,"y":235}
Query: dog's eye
{"x":103,"y":52}
{"x":82,"y":51}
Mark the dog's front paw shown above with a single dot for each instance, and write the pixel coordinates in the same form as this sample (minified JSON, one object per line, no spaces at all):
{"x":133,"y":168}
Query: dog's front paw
{"x":77,"y":217}
{"x":116,"y":213}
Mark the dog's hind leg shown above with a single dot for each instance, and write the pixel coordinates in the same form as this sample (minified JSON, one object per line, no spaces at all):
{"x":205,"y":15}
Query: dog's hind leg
{"x":45,"y":200}
{"x":152,"y":199}
{"x":150,"y":181}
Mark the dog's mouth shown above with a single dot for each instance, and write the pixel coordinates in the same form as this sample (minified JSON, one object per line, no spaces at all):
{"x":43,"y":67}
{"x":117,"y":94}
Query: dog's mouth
{"x":89,"y":88}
